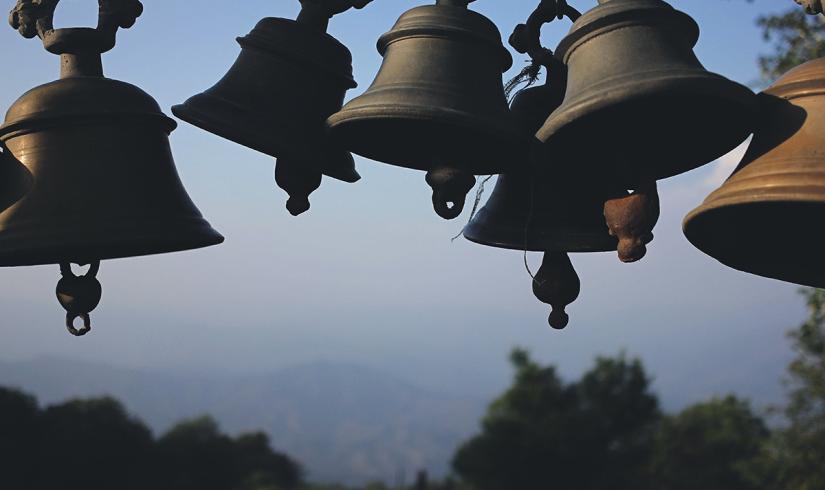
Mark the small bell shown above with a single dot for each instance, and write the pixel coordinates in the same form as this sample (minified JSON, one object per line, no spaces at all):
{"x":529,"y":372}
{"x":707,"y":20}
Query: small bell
{"x":637,"y":96}
{"x":765,"y":217}
{"x":275,"y":99}
{"x":93,"y":174}
{"x":438,"y":103}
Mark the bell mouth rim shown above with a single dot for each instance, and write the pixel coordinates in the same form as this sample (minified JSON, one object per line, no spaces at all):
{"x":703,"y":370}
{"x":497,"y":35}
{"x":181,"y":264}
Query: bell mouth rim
{"x":77,"y":250}
{"x":761,"y":260}
{"x":557,"y":247}
{"x":744,"y":200}
{"x":202,"y":120}
{"x":599,"y":240}
{"x":511,"y":138}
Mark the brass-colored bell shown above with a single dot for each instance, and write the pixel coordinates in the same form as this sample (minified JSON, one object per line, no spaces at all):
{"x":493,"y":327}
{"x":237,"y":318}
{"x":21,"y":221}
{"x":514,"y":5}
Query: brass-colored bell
{"x":438,"y":103}
{"x":638,"y":97}
{"x":101,"y":182}
{"x":290,"y":76}
{"x":765,"y":219}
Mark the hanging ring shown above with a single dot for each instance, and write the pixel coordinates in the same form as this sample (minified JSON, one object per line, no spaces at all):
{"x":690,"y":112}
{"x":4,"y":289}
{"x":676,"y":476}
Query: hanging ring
{"x":87,"y":324}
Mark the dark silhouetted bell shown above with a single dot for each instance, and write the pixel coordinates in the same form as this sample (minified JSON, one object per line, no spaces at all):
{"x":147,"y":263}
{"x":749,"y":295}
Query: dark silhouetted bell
{"x":542,"y":212}
{"x":438,"y":103}
{"x":290,"y":76}
{"x":101,"y":181}
{"x":766,"y":219}
{"x":639,"y":105}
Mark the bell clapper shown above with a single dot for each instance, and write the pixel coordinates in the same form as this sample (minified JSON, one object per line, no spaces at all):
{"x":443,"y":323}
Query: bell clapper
{"x":631,"y":219}
{"x":450,"y":188}
{"x":79,"y":296}
{"x":299,"y":181}
{"x":557,"y":284}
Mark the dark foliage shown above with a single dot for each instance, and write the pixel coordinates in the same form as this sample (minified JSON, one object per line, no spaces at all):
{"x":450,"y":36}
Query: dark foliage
{"x":95,"y":445}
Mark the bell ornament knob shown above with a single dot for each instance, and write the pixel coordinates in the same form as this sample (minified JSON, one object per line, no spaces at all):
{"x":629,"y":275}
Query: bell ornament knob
{"x":631,"y":219}
{"x":557,"y":285}
{"x":812,"y":7}
{"x":450,"y":187}
{"x":79,"y":296}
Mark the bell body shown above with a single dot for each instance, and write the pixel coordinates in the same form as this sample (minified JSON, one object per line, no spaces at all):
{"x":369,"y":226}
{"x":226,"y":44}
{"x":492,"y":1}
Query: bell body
{"x":93,"y":156}
{"x":438,"y":99}
{"x":541,"y":217}
{"x":766,"y":218}
{"x":638,"y":94}
{"x":541,"y":213}
{"x":276,"y":97}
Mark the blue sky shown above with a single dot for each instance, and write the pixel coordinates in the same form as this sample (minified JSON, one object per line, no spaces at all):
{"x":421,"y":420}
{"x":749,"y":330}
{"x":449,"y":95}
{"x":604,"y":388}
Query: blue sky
{"x":370,"y":274}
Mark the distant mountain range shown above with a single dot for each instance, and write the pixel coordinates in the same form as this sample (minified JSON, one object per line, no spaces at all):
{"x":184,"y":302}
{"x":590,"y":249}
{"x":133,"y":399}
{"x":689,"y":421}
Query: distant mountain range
{"x":343,"y":422}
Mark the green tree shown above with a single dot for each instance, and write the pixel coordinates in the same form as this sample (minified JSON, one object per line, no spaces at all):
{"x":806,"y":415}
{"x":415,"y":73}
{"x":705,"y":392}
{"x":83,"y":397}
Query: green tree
{"x":716,"y":445}
{"x":796,"y":36}
{"x":801,"y":445}
{"x":543,"y":433}
{"x":93,"y":444}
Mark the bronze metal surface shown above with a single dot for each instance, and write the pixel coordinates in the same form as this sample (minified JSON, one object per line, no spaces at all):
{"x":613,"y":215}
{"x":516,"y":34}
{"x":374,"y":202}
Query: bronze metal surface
{"x":636,"y":87}
{"x":290,"y":76}
{"x":766,"y":218}
{"x":438,"y":100}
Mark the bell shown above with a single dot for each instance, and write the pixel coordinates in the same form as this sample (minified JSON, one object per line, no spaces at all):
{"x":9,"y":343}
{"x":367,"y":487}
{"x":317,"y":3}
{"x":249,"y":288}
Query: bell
{"x":539,"y":213}
{"x":438,"y":103}
{"x":638,"y":97}
{"x":275,"y":99}
{"x":93,"y":164}
{"x":766,"y":217}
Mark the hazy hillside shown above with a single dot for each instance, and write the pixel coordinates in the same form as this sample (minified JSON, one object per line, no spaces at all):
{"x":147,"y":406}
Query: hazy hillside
{"x":343,"y":422}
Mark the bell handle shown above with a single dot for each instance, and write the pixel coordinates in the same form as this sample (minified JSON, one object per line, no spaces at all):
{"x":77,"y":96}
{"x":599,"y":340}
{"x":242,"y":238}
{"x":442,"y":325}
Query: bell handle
{"x":36,"y":18}
{"x":317,"y":13}
{"x":526,"y":38}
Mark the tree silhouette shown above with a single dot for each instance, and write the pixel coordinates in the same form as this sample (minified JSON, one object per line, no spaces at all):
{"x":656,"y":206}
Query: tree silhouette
{"x":93,"y":444}
{"x":544,"y":434}
{"x":19,"y":438}
{"x":801,"y":446}
{"x":716,"y":445}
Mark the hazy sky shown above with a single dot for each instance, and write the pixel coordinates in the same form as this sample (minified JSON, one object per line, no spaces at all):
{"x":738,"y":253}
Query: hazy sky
{"x":370,"y":274}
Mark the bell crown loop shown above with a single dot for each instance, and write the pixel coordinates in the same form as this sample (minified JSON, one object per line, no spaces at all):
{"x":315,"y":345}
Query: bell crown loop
{"x":317,"y":13}
{"x":79,"y":47}
{"x":36,"y":18}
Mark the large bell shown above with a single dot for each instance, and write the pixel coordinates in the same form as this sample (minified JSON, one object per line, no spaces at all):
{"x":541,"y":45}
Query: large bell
{"x":438,"y":103}
{"x":101,"y":182}
{"x":638,"y":97}
{"x":275,"y":99}
{"x":766,"y":218}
